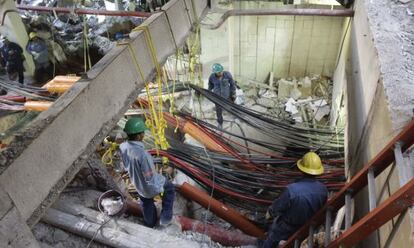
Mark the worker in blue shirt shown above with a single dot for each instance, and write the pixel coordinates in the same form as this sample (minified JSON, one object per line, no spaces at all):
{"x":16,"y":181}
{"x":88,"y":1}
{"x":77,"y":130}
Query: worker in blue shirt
{"x":39,"y":50}
{"x":221,"y":82}
{"x":12,"y":59}
{"x":298,"y":202}
{"x":140,"y":166}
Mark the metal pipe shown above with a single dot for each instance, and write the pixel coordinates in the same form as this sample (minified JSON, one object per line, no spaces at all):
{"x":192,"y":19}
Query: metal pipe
{"x":217,"y":234}
{"x":226,"y":213}
{"x":59,"y":88}
{"x":84,"y":11}
{"x":286,"y":12}
{"x":37,"y":105}
{"x":202,"y":137}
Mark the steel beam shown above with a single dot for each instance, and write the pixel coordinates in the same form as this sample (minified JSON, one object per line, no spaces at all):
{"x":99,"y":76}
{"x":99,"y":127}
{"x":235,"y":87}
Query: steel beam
{"x":396,"y":204}
{"x":380,"y":162}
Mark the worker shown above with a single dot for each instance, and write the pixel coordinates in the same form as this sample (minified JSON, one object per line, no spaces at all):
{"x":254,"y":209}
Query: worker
{"x":12,"y":59}
{"x":140,"y":166}
{"x":298,"y":202}
{"x":221,"y":82}
{"x":38,"y":49}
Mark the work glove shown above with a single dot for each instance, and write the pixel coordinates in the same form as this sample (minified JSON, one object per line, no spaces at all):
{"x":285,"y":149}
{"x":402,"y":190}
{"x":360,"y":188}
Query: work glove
{"x":233,"y":98}
{"x":268,"y":215}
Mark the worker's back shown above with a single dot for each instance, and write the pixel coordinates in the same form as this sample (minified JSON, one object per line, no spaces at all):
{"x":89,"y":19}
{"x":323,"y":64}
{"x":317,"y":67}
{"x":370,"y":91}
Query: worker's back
{"x":306,"y":196}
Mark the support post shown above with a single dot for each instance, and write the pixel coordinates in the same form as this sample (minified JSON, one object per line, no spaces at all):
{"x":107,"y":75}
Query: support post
{"x":348,"y":210}
{"x":372,"y":193}
{"x":328,"y":223}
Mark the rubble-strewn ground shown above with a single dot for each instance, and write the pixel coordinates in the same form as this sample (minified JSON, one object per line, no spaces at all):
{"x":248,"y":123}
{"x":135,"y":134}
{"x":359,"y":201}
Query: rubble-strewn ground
{"x":82,"y":190}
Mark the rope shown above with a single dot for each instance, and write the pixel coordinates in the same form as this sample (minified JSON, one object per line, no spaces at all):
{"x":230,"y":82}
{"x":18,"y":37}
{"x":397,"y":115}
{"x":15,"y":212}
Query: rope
{"x":107,"y":157}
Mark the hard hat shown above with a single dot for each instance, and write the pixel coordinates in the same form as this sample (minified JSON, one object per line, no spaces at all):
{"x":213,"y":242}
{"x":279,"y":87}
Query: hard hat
{"x":135,"y":126}
{"x":311,"y":164}
{"x":32,"y":35}
{"x":217,"y":68}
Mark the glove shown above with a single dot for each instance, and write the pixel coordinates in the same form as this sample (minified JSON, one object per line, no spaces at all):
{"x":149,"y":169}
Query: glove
{"x":233,"y":98}
{"x":268,"y":215}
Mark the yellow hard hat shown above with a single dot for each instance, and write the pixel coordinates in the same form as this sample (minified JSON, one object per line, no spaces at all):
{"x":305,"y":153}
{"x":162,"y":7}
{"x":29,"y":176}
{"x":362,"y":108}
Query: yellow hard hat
{"x":311,"y":164}
{"x":32,"y":35}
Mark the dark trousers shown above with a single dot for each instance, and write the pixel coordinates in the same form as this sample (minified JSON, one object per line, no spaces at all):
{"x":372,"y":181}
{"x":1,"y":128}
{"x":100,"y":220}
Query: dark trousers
{"x":219,"y":113}
{"x":279,"y":230}
{"x":21,"y":75}
{"x":148,"y":206}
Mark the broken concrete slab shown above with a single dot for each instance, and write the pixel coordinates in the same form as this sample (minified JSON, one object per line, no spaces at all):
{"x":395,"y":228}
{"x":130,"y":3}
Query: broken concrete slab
{"x":59,"y":141}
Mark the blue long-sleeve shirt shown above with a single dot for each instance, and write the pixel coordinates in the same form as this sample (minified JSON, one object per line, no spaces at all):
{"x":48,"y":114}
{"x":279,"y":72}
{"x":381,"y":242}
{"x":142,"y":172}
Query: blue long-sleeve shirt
{"x":300,"y":200}
{"x":38,"y":49}
{"x":224,"y":87}
{"x":140,"y":166}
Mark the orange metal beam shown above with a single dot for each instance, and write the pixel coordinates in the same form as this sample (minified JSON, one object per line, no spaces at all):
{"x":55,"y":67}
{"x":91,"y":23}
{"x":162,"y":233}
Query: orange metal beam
{"x":397,"y":203}
{"x":379,"y":163}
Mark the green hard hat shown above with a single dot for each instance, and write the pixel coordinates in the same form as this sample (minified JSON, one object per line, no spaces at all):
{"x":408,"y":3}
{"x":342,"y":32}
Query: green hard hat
{"x":217,"y":68}
{"x":135,"y":126}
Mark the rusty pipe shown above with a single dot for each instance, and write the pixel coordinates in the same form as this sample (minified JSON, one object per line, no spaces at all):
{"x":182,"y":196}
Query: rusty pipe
{"x":285,"y":12}
{"x":217,"y":234}
{"x":84,"y":11}
{"x":37,"y":105}
{"x":226,"y":213}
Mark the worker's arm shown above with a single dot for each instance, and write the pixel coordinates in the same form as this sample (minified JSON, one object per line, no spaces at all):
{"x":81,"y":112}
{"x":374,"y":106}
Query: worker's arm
{"x":147,"y":168}
{"x":280,"y":205}
{"x":232,"y":86}
{"x":210,"y":83}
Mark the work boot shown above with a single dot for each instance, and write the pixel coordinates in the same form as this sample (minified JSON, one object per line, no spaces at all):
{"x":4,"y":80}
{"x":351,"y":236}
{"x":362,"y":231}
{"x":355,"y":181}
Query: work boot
{"x":165,"y":219}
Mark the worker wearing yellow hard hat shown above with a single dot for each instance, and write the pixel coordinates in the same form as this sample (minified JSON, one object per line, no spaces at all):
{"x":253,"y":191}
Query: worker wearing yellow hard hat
{"x":310,"y":164}
{"x":297,"y":203}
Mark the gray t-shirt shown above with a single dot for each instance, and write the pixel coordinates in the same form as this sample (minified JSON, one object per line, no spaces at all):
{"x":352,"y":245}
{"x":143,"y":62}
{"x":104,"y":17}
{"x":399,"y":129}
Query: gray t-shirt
{"x":140,"y":166}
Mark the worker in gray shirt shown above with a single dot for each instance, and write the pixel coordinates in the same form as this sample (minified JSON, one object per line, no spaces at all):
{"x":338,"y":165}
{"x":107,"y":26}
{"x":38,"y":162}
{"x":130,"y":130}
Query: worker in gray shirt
{"x":148,"y":182}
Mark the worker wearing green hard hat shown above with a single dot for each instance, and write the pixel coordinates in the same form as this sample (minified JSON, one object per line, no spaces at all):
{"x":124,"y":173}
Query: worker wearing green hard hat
{"x":217,"y":68}
{"x":297,"y":203}
{"x":221,"y":82}
{"x":135,"y":126}
{"x":141,"y":169}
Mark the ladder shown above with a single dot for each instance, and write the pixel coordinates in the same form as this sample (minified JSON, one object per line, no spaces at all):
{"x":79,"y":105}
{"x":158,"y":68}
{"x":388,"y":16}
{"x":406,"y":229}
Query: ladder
{"x":396,"y":204}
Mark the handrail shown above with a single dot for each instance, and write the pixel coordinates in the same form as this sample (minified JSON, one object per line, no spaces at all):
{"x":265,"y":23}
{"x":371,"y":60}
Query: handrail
{"x":378,"y":164}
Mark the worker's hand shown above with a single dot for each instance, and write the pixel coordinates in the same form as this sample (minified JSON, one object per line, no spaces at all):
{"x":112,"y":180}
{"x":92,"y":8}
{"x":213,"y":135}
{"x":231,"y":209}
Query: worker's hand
{"x":233,"y":98}
{"x":169,"y":170}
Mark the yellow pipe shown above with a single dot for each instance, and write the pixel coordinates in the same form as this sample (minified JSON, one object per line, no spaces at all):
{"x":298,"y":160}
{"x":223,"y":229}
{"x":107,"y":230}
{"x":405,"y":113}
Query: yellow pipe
{"x":201,"y":137}
{"x":60,"y":88}
{"x":65,"y":79}
{"x":37,"y":105}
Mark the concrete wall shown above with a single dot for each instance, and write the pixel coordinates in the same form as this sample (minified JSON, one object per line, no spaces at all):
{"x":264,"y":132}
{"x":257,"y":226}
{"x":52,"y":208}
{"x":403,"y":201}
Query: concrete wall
{"x":371,"y":118}
{"x":47,"y":155}
{"x":252,"y":46}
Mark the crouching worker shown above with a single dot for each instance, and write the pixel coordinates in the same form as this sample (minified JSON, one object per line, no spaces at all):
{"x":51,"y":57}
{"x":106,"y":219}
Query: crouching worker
{"x":140,"y":166}
{"x":298,"y":203}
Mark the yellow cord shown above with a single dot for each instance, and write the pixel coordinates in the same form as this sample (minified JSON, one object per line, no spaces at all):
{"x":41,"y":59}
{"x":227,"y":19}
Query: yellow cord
{"x":107,"y":157}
